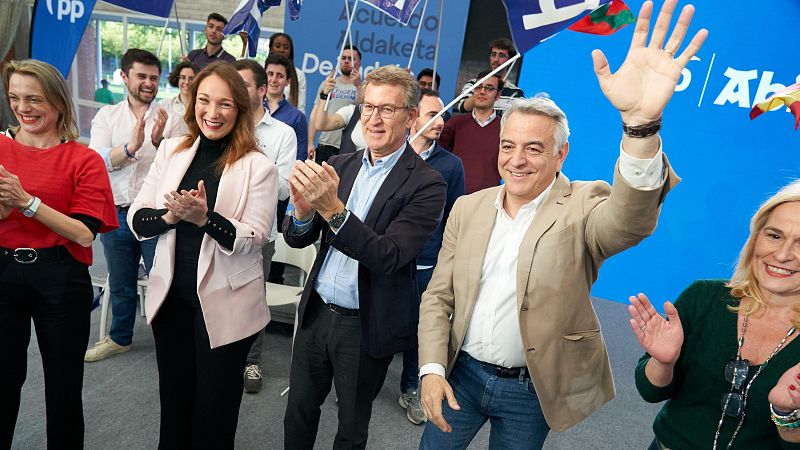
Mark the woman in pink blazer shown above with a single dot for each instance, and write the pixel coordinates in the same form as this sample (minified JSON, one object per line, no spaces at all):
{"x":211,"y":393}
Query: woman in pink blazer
{"x":209,"y":198}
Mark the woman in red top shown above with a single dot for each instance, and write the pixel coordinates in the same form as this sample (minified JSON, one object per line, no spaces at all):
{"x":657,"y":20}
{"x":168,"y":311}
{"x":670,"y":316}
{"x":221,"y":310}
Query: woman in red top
{"x":54,"y":198}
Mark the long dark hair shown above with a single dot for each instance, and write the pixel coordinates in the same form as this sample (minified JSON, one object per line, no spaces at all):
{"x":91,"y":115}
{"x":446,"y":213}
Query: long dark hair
{"x":290,"y":70}
{"x":241,"y":140}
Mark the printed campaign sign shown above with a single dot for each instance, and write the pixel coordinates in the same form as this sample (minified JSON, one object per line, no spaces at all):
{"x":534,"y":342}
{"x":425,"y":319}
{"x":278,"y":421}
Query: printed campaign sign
{"x":728,"y":163}
{"x":56,"y":30}
{"x":319,"y":32}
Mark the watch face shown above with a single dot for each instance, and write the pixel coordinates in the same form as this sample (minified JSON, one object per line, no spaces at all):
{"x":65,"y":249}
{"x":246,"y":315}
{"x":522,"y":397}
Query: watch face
{"x":28,"y":213}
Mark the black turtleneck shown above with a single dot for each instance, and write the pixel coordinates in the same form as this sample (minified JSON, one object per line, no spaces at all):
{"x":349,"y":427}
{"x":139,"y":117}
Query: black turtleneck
{"x":148,"y":222}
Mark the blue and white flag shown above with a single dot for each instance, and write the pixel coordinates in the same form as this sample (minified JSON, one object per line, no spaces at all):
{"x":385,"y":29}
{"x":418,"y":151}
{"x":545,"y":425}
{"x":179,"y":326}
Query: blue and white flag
{"x":247,"y":18}
{"x":159,"y":8}
{"x":56,"y":30}
{"x":294,"y":9}
{"x":399,"y":9}
{"x":534,"y":21}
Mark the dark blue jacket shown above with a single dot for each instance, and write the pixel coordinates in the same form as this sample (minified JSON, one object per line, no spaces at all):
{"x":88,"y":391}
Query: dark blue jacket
{"x":452,"y":170}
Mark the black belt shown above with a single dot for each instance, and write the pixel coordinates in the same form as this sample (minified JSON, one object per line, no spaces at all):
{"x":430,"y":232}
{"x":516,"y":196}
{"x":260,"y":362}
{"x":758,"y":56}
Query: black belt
{"x":502,"y":372}
{"x":122,"y":209}
{"x":33,"y":255}
{"x":342,"y":311}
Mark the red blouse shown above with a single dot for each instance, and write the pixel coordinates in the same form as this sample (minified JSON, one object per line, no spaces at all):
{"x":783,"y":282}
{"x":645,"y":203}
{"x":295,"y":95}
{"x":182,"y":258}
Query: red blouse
{"x":70,"y":178}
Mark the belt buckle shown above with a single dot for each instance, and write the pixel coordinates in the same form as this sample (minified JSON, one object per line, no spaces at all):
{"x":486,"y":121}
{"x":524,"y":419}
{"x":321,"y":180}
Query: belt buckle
{"x":31,"y":254}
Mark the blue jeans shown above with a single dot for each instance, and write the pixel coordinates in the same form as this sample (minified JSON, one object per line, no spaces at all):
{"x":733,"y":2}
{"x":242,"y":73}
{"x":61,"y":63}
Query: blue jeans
{"x":510,"y":404}
{"x":409,"y":379}
{"x":122,"y":252}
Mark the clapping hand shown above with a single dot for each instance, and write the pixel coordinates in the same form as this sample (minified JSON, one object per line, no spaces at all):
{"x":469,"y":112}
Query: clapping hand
{"x":12,"y":195}
{"x":159,"y":123}
{"x":659,"y":337}
{"x":137,"y":136}
{"x":785,"y":396}
{"x":189,"y":206}
{"x":314,"y":187}
{"x":644,"y":84}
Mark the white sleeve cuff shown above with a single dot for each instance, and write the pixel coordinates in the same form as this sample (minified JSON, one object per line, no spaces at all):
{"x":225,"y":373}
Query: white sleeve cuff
{"x":434,"y":368}
{"x":643,"y":174}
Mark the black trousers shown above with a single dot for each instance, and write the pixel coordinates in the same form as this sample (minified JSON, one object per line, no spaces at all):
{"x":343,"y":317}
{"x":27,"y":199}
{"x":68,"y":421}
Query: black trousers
{"x":328,"y":348}
{"x":200,"y":388}
{"x":57,"y":295}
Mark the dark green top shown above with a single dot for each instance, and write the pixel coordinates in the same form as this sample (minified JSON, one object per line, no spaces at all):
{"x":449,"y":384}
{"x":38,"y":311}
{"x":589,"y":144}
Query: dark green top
{"x":690,"y":416}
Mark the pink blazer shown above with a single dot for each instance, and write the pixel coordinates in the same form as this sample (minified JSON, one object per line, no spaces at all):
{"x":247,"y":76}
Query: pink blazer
{"x":230,"y":283}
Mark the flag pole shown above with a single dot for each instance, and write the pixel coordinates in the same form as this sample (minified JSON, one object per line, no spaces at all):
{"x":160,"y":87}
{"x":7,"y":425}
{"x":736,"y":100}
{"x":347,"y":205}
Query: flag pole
{"x":349,"y":35}
{"x":416,"y":37}
{"x":436,"y":51}
{"x":163,"y":34}
{"x":508,"y":72}
{"x":178,"y":22}
{"x":464,"y":94}
{"x":341,"y":50}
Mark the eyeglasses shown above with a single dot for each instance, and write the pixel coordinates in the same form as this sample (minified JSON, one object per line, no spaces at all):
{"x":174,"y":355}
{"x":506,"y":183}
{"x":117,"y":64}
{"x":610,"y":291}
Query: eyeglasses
{"x":733,"y":402}
{"x":485,"y":88}
{"x":385,"y":111}
{"x":498,"y":55}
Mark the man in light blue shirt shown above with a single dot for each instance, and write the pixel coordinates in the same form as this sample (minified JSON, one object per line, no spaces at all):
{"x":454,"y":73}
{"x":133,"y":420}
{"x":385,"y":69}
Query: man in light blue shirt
{"x":374,"y":210}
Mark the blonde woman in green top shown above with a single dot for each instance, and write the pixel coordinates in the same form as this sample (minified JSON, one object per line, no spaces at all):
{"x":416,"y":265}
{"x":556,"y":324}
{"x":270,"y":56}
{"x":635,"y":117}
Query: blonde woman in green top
{"x":726,"y":359}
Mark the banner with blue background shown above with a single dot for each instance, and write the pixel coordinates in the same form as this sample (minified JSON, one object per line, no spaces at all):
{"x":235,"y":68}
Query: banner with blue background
{"x":318,"y":35}
{"x":728,"y":163}
{"x":56,"y":30}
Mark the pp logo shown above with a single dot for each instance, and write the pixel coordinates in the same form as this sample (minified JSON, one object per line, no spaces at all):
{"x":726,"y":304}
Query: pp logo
{"x":72,"y":8}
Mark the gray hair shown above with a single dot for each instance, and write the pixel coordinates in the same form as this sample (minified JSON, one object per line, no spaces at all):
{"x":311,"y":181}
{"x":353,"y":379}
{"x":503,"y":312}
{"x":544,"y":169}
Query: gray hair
{"x":541,"y":105}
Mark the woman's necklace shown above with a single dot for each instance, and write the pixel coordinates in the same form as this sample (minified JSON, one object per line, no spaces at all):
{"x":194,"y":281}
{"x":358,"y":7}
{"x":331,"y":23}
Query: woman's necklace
{"x":747,"y":388}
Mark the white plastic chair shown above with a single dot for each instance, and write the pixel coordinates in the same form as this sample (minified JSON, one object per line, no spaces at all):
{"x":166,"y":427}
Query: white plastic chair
{"x":105,"y":302}
{"x":281,"y":294}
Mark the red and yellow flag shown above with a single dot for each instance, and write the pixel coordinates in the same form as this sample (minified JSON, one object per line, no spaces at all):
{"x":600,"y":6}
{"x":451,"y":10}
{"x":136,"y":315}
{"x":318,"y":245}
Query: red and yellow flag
{"x":790,"y":97}
{"x":605,"y":20}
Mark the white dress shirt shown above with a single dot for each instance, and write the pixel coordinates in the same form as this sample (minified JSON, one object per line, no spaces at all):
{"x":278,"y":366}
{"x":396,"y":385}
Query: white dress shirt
{"x":279,"y":142}
{"x":112,"y":126}
{"x":493,"y":334}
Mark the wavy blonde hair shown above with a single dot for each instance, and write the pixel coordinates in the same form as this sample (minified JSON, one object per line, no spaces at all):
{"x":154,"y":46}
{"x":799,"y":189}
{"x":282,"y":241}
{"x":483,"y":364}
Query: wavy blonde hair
{"x":55,"y":91}
{"x":743,"y":283}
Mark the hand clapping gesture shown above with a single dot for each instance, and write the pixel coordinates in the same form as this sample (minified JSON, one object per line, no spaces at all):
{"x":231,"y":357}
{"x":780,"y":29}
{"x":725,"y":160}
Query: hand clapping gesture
{"x":659,"y":337}
{"x":785,"y":396}
{"x":189,"y":206}
{"x":314,"y":187}
{"x":12,"y":195}
{"x":644,"y":84}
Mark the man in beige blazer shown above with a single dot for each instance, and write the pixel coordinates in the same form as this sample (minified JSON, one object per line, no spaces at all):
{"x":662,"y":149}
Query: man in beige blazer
{"x":507,"y":331}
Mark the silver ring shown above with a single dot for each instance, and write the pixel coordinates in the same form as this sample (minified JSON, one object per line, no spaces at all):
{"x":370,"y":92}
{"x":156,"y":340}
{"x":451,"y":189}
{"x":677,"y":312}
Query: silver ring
{"x":671,"y":54}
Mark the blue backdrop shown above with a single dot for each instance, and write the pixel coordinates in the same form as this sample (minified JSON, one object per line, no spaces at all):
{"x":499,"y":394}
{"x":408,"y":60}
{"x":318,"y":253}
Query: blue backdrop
{"x":318,"y":35}
{"x":728,"y":163}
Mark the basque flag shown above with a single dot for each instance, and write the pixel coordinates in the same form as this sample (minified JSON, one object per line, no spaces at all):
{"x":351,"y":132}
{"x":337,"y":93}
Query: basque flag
{"x":247,"y":19}
{"x":399,"y":9}
{"x":159,"y":8}
{"x":534,"y":21}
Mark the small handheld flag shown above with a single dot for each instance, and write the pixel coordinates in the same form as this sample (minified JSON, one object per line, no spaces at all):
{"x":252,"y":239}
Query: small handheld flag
{"x":246,"y":19}
{"x":790,"y":97}
{"x":605,"y":20}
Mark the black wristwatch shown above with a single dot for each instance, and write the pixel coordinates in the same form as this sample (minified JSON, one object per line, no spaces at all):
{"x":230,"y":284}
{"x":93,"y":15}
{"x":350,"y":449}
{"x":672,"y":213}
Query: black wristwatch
{"x":323,"y":95}
{"x":337,"y":220}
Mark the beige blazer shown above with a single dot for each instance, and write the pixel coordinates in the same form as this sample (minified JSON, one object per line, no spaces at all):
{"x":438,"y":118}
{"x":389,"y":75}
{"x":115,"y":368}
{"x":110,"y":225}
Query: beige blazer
{"x":230,"y":283}
{"x":577,"y":226}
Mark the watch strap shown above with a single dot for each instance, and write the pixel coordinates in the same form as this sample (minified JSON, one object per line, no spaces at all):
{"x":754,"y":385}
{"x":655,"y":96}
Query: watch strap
{"x":642,"y":131}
